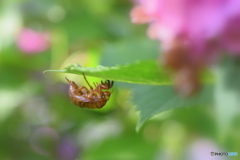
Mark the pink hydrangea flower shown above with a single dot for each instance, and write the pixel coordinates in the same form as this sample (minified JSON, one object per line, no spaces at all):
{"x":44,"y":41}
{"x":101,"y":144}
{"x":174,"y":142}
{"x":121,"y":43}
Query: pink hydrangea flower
{"x":197,"y":21}
{"x":230,"y":38}
{"x":30,"y":41}
{"x":192,"y":34}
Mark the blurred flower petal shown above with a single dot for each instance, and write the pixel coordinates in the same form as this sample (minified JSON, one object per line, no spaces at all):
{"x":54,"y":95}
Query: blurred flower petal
{"x":30,"y":41}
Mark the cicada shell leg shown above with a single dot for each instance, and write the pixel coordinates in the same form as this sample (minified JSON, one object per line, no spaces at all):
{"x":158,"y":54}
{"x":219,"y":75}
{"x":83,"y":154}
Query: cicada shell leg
{"x":87,"y":82}
{"x":72,"y":83}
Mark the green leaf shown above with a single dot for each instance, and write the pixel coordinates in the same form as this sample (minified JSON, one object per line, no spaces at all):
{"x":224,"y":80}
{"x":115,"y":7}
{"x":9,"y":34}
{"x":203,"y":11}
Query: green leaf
{"x":141,"y":72}
{"x":129,"y":50}
{"x":151,"y":100}
{"x":227,"y":93}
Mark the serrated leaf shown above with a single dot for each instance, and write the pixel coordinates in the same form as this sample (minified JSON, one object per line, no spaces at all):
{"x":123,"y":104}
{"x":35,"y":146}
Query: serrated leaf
{"x":151,"y":100}
{"x":142,"y":72}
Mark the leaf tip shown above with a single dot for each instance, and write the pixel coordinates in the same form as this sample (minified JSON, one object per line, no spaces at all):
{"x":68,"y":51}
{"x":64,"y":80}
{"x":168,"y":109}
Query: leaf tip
{"x":61,"y":71}
{"x":45,"y":71}
{"x":139,"y":126}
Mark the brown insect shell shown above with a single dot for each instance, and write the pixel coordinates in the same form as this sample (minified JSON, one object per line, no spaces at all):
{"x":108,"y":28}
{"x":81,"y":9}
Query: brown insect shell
{"x":105,"y":85}
{"x":93,"y":98}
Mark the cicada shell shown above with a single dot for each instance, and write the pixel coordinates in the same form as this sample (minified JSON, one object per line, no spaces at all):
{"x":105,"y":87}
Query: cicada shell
{"x":90,"y":98}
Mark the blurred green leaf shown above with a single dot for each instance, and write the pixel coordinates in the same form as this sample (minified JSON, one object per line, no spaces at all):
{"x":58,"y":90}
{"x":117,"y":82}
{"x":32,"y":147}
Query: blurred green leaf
{"x":134,"y":149}
{"x":227,"y":94}
{"x":129,"y":50}
{"x":151,"y":100}
{"x":142,"y":72}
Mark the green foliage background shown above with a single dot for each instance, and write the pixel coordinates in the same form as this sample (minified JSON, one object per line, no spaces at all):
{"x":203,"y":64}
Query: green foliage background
{"x":98,"y":36}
